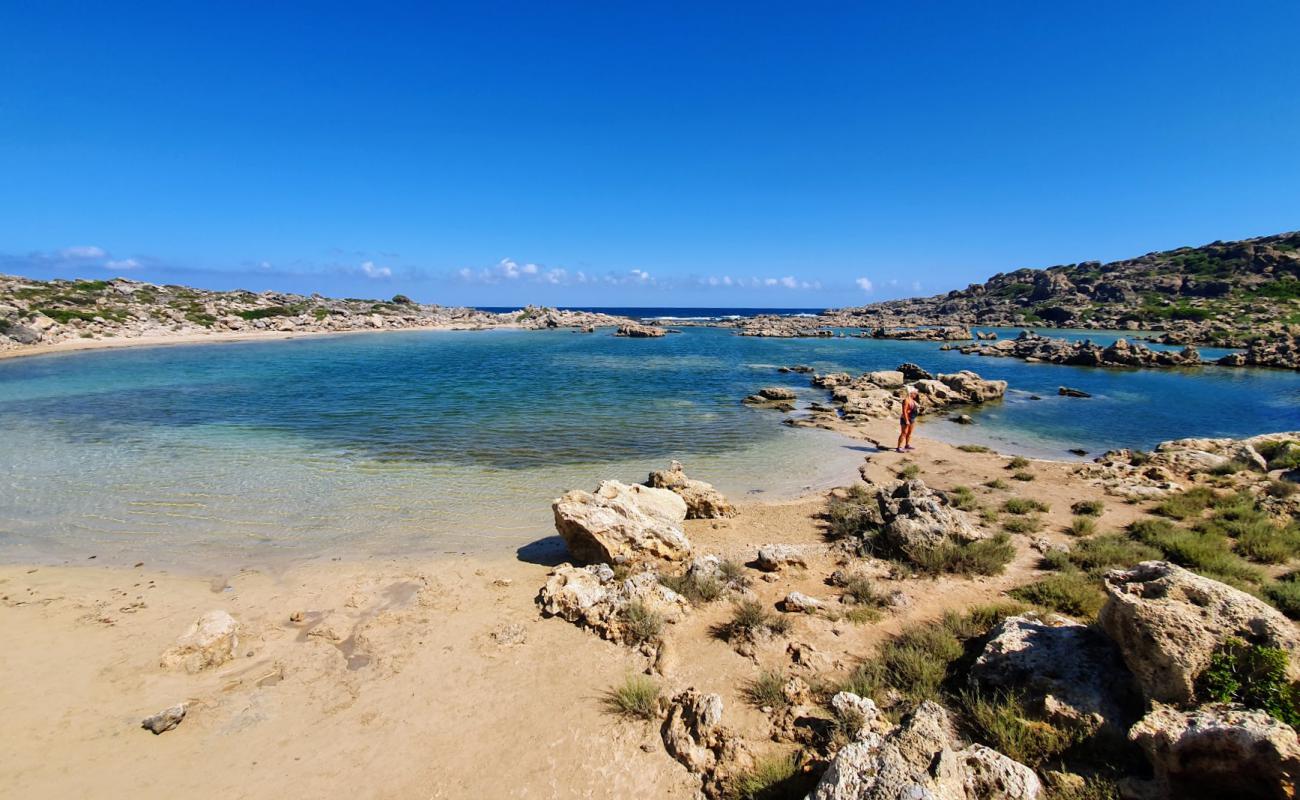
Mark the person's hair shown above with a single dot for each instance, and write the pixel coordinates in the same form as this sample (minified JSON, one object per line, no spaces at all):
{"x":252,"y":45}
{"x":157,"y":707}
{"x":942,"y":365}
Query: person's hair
{"x":915,"y":392}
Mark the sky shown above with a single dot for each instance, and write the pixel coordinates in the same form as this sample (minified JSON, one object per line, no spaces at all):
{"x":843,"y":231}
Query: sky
{"x":656,"y":154}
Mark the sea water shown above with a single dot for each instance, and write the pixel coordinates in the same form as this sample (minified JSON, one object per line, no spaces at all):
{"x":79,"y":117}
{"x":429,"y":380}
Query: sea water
{"x":438,"y":441}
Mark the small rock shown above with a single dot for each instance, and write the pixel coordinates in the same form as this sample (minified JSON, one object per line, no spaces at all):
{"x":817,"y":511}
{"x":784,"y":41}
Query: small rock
{"x":800,"y":603}
{"x":209,"y":642}
{"x":773,"y":557}
{"x":164,"y":720}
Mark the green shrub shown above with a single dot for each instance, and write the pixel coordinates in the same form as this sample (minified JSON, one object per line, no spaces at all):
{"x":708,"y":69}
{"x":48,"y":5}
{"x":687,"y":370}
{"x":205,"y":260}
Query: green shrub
{"x":1266,"y":543}
{"x":1023,"y":505}
{"x":644,"y":624}
{"x":1101,"y":553}
{"x":767,"y":690}
{"x":861,"y":590}
{"x":1231,"y":467}
{"x":1070,"y":593}
{"x":973,"y":448}
{"x":695,"y":588}
{"x":963,"y":498}
{"x":636,"y":697}
{"x":273,"y":311}
{"x":1082,"y":526}
{"x":1253,"y":675}
{"x":1281,"y":489}
{"x":1139,"y":458}
{"x":1030,"y":524}
{"x":1018,"y":462}
{"x":852,"y":517}
{"x":1093,"y":787}
{"x":1284,"y":594}
{"x":1206,"y":553}
{"x":1023,"y":476}
{"x":908,"y":470}
{"x":1088,"y":508}
{"x":997,"y":484}
{"x":733,"y":573}
{"x":751,"y":619}
{"x":981,"y":557}
{"x":1001,"y":720}
{"x":1186,"y":504}
{"x":772,"y":778}
{"x":1282,"y":454}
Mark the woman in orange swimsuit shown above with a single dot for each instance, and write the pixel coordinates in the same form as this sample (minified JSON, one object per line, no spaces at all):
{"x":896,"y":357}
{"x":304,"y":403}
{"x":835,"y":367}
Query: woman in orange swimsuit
{"x":907,"y":419}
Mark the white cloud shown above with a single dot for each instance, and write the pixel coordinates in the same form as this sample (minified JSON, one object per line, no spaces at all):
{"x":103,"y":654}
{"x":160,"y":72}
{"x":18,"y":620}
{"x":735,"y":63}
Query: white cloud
{"x":83,"y":252}
{"x":123,"y":264}
{"x":865,"y":284}
{"x":640,"y":276}
{"x":916,"y":286}
{"x":369,"y":269}
{"x":790,"y":283}
{"x":529,"y":269}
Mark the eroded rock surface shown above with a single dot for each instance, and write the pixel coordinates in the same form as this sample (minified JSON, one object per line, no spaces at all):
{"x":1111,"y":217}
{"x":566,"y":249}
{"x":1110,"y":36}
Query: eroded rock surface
{"x":620,"y":522}
{"x":702,"y":500}
{"x":1167,"y":623}
{"x":209,"y":642}
{"x":591,"y":597}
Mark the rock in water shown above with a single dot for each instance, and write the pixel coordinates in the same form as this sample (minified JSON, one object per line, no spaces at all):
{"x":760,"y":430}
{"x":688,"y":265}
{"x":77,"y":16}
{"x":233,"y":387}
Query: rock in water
{"x":702,"y":500}
{"x":634,"y":331}
{"x":209,"y":642}
{"x":1220,"y":750}
{"x":916,"y":761}
{"x":1066,"y":391}
{"x":621,"y":523}
{"x":1168,"y":622}
{"x":164,"y":720}
{"x":1065,"y":672}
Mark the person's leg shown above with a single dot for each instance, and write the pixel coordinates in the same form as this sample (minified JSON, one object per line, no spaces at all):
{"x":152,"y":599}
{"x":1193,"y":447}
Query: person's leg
{"x":902,"y":434}
{"x":907,"y":436}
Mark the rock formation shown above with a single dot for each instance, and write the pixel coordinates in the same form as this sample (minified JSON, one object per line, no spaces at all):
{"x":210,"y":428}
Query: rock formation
{"x":702,"y":500}
{"x":209,"y":642}
{"x":622,"y":523}
{"x":591,"y":597}
{"x":1168,"y":622}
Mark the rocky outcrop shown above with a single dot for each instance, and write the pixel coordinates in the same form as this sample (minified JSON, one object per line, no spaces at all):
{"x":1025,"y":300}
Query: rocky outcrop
{"x":874,"y":395}
{"x":1220,"y":750}
{"x":938,"y":333}
{"x":695,"y":736}
{"x":1066,"y":673}
{"x":702,"y":500}
{"x":48,"y":312}
{"x":1031,"y":346}
{"x":1281,"y":351}
{"x":591,"y":597}
{"x":209,"y":642}
{"x":622,"y":523}
{"x":917,"y":759}
{"x":1168,"y":622}
{"x":778,"y":397}
{"x":634,"y":330}
{"x":915,"y":518}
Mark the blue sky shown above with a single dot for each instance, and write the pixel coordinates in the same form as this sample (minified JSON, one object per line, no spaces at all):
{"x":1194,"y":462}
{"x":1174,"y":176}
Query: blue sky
{"x":755,"y":154}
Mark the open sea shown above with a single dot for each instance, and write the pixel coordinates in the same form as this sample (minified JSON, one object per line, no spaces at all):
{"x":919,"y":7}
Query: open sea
{"x":432,"y":441}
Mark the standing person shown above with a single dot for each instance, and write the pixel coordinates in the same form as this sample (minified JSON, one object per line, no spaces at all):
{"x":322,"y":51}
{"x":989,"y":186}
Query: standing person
{"x":907,"y":419}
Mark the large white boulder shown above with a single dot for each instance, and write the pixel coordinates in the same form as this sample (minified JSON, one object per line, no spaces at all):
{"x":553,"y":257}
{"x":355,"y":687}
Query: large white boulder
{"x":622,"y":523}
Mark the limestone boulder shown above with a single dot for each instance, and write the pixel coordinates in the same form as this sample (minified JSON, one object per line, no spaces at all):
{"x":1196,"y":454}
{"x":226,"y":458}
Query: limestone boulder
{"x":209,"y":642}
{"x":917,"y":760}
{"x":972,"y":388}
{"x":774,"y":557}
{"x":591,"y":597}
{"x":622,"y":523}
{"x":917,"y":518}
{"x":1066,"y":673}
{"x":1220,"y":750}
{"x":702,"y":500}
{"x":1168,"y":622}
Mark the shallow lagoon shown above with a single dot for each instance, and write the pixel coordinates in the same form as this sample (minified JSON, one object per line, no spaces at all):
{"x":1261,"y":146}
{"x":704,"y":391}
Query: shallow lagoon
{"x":449,"y":441}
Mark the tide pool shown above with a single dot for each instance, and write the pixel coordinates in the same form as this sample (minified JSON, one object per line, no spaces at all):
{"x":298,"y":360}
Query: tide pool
{"x":451,"y":441}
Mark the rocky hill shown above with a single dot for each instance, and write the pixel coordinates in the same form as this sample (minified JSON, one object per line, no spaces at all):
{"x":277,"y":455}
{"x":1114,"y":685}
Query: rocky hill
{"x":47,"y":312}
{"x":1224,"y":293}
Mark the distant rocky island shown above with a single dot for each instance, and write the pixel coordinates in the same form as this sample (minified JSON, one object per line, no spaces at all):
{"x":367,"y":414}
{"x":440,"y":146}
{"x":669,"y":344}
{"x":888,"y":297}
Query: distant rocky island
{"x":48,"y":312}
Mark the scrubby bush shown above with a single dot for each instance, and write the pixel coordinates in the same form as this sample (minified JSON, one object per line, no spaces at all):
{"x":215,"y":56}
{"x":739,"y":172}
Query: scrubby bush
{"x":1088,"y":508}
{"x":908,"y":470}
{"x":963,"y":498}
{"x":1023,"y":505}
{"x":997,"y":484}
{"x":1030,"y":524}
{"x":1206,"y":553}
{"x":696,"y":588}
{"x":1002,"y":721}
{"x":1186,"y":504}
{"x":973,"y":448}
{"x":637,"y":697}
{"x":772,"y":778}
{"x":1082,"y":526}
{"x":1071,"y":593}
{"x":1018,"y":462}
{"x":751,"y":619}
{"x":1284,"y":594}
{"x":767,"y":690}
{"x":1253,"y":675}
{"x":981,"y":557}
{"x":1023,"y":476}
{"x":1101,"y":553}
{"x":644,"y":624}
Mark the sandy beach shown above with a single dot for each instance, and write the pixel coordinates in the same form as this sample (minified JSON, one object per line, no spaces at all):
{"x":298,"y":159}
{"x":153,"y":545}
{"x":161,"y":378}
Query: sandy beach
{"x":422,"y":677}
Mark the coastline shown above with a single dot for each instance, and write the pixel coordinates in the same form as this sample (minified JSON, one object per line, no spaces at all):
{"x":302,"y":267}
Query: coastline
{"x":225,"y":337}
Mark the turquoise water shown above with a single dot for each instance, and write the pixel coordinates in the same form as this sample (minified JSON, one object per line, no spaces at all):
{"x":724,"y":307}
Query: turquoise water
{"x":450,"y":441}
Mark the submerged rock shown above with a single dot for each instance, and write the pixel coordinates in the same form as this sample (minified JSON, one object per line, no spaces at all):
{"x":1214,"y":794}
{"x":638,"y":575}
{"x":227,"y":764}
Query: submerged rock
{"x":702,"y":500}
{"x":1220,"y":750}
{"x":1168,"y":622}
{"x":209,"y":642}
{"x":620,"y":523}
